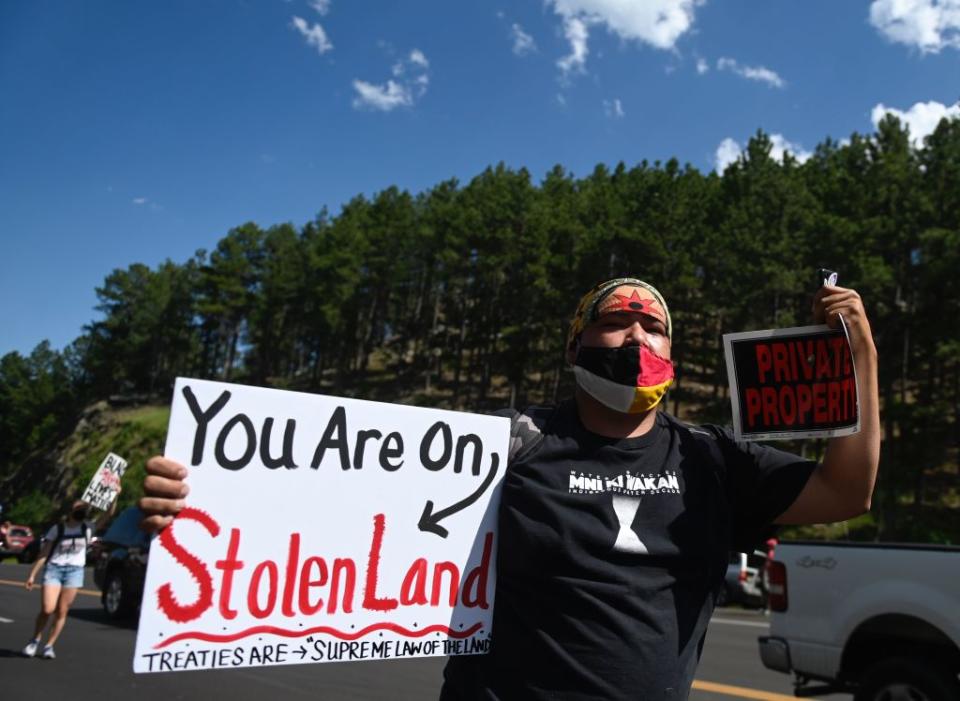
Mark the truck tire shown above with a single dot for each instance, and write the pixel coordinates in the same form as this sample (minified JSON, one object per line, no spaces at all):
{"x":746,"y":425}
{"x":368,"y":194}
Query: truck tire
{"x":723,"y":597}
{"x":904,"y":679}
{"x":116,"y":598}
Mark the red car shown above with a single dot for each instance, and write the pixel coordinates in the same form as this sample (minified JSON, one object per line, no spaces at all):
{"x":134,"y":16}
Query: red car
{"x":16,"y":539}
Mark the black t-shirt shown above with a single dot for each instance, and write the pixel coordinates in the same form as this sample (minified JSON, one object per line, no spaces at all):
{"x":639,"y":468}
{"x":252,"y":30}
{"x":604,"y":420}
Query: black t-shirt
{"x":610,"y":554}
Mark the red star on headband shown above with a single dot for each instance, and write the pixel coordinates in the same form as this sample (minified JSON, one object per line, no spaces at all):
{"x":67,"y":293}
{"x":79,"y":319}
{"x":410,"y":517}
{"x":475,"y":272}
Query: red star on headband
{"x":633,"y":303}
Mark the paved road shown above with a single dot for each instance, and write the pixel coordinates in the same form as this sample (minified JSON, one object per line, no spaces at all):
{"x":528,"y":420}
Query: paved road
{"x":94,"y":660}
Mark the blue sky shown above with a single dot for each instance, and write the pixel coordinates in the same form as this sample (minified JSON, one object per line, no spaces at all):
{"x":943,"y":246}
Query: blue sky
{"x":134,"y":131}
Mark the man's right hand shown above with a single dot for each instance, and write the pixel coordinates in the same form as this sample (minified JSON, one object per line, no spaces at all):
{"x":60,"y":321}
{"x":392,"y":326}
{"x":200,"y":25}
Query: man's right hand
{"x":164,"y":491}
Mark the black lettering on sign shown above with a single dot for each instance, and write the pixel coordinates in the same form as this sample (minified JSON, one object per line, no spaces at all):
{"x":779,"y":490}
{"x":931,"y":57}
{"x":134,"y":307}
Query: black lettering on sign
{"x":427,"y":443}
{"x":203,"y":419}
{"x":286,"y":458}
{"x":251,"y":436}
{"x":335,"y":436}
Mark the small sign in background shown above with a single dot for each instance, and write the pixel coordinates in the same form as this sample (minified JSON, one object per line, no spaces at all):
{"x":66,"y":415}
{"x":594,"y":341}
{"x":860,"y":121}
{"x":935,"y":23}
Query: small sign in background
{"x":105,"y":484}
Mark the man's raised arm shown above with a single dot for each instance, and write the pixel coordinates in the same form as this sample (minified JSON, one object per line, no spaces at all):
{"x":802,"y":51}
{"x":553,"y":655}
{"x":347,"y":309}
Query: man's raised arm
{"x":842,"y":485}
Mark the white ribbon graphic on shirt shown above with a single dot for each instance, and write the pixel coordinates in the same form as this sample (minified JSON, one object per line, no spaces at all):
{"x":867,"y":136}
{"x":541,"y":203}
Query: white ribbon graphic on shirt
{"x":628,"y":541}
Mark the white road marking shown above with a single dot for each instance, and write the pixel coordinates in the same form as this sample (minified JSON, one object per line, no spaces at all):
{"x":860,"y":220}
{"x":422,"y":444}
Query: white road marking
{"x":731,"y":622}
{"x":5,"y":620}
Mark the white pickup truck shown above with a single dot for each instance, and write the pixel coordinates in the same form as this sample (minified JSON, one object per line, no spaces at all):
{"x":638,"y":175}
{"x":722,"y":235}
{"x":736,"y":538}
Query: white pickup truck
{"x":879,"y":621}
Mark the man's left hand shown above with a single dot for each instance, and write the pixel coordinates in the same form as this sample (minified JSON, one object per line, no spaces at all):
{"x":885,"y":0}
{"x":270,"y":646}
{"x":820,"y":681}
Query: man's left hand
{"x":830,"y":302}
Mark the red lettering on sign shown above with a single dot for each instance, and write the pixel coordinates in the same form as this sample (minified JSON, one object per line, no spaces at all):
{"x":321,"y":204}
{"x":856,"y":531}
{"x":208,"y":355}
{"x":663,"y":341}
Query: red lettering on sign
{"x":804,"y":403}
{"x":823,"y":359}
{"x":764,"y":362}
{"x":819,"y":402}
{"x":306,"y":584}
{"x":438,"y":571}
{"x":370,"y":599}
{"x":299,"y":592}
{"x":833,"y":401}
{"x":781,"y":369}
{"x":229,"y":565}
{"x":293,"y":562}
{"x":788,"y":405}
{"x":253,"y":593}
{"x":768,"y":397}
{"x":752,"y":396}
{"x":413,"y":591}
{"x":475,"y":583}
{"x":168,"y":603}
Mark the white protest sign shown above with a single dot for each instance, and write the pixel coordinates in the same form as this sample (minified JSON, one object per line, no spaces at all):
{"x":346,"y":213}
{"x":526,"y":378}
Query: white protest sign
{"x":322,"y":529}
{"x":105,"y":484}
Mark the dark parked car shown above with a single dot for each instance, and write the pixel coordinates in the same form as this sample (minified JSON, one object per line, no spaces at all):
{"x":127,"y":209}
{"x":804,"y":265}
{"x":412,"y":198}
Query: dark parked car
{"x":121,"y":564}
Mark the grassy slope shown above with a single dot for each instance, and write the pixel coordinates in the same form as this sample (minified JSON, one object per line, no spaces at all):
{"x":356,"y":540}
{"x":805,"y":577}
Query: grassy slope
{"x":132,"y":433}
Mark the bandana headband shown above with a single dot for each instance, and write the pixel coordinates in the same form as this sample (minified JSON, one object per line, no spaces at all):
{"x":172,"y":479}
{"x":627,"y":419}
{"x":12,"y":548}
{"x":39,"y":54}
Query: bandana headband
{"x":644,"y":298}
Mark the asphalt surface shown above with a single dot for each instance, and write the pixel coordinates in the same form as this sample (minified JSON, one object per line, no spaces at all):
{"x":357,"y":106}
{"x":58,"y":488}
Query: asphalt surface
{"x":94,"y":661}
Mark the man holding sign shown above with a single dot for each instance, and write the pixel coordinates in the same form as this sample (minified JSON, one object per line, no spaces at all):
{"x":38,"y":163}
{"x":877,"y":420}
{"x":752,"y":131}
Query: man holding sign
{"x":616,"y":519}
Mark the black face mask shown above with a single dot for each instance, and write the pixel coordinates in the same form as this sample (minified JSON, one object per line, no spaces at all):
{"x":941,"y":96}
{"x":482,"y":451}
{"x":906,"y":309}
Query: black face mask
{"x":79,"y":514}
{"x":630,"y":379}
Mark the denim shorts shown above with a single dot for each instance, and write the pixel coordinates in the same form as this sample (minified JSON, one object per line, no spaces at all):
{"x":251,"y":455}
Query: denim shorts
{"x":63,"y":575}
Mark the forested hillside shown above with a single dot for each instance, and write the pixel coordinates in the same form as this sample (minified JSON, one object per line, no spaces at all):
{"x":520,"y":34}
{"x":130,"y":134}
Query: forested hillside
{"x":459,"y":296}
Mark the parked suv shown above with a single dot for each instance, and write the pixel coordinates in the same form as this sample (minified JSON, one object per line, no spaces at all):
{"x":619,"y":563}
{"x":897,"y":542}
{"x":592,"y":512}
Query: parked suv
{"x":18,"y":538}
{"x":121,"y":564}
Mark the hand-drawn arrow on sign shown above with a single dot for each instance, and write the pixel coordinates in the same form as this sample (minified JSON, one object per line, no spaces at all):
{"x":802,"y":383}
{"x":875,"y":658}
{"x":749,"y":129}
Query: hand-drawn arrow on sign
{"x":430,"y":520}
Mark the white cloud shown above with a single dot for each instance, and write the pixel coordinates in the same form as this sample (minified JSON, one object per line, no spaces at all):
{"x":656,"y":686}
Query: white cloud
{"x":614,"y":109}
{"x":929,"y":25}
{"x":702,"y":66}
{"x":759,"y":73}
{"x":321,"y":6}
{"x":921,"y":119}
{"x":411,"y":83}
{"x":575,"y":30}
{"x":658,"y":23}
{"x":729,"y":151}
{"x":781,"y":146}
{"x":523,"y":43}
{"x":418,"y":59}
{"x":314,"y":35}
{"x":384,"y":97}
{"x":139,"y":200}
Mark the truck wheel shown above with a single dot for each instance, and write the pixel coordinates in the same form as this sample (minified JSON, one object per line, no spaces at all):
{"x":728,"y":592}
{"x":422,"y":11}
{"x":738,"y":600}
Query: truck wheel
{"x":723,"y":598}
{"x":903,"y":679}
{"x":116,"y":598}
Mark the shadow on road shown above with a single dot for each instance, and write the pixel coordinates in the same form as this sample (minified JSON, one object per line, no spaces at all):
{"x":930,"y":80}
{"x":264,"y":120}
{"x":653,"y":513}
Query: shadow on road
{"x":95,"y":614}
{"x":4,"y":654}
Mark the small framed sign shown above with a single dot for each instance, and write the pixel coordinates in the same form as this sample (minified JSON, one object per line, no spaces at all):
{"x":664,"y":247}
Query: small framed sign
{"x":792,"y":383}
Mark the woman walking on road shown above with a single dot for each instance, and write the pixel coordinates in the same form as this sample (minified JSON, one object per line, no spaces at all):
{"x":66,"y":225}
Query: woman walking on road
{"x":64,"y":552}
